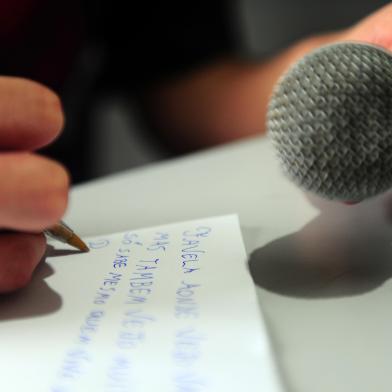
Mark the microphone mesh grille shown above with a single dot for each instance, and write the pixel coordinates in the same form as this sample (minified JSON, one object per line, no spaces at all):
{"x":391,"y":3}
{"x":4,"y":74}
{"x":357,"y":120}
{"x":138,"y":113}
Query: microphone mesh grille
{"x":330,"y":119}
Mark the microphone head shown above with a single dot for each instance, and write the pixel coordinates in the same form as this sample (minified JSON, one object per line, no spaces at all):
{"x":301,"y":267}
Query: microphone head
{"x":330,"y":118}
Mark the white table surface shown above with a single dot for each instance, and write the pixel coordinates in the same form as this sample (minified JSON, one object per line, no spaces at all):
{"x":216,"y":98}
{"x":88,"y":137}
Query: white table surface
{"x":322,"y":270}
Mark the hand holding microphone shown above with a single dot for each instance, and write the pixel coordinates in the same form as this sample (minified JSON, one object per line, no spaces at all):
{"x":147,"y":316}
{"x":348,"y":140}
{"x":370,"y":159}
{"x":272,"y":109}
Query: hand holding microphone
{"x":330,"y":118}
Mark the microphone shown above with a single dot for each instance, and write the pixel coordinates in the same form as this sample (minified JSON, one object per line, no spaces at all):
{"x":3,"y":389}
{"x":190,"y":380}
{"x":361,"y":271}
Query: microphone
{"x":330,"y":119}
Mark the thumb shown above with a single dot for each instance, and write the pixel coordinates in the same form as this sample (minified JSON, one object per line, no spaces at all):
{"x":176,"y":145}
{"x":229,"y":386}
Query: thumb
{"x":375,"y":29}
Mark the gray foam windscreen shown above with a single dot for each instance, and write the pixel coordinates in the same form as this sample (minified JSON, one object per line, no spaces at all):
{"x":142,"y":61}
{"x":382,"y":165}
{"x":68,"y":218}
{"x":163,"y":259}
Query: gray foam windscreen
{"x":330,"y":118}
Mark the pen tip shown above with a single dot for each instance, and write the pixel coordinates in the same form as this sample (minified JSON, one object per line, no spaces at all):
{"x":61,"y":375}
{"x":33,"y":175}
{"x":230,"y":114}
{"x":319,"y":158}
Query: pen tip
{"x":76,"y":242}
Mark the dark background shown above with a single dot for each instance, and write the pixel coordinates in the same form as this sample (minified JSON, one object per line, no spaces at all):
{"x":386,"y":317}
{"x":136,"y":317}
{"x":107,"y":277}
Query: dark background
{"x":104,"y":57}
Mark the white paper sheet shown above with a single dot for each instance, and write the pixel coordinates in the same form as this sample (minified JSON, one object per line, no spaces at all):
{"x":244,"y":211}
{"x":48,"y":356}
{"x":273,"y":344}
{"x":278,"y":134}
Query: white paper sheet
{"x":170,"y":308}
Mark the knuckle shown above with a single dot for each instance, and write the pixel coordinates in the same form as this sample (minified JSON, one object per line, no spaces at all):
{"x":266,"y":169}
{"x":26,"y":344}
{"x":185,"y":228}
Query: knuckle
{"x":31,"y":114}
{"x":48,"y":195}
{"x":52,"y":111}
{"x":20,"y":255}
{"x":55,"y":200}
{"x":20,"y":279}
{"x":36,"y":195}
{"x":48,"y":108}
{"x":56,"y":206}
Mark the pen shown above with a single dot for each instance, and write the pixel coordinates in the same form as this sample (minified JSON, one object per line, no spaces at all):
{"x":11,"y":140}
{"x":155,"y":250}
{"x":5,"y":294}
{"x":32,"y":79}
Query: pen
{"x":65,"y":234}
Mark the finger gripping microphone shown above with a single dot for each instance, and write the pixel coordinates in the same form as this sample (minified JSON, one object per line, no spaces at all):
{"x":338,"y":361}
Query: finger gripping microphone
{"x":330,"y":119}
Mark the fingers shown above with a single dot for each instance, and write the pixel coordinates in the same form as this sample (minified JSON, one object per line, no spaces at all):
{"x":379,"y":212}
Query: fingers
{"x":20,"y":253}
{"x":34,"y":191}
{"x":30,"y":114}
{"x":375,"y":29}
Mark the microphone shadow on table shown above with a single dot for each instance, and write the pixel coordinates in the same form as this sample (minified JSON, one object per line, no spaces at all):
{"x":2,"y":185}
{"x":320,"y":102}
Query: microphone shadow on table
{"x":344,"y":251}
{"x":37,"y":299}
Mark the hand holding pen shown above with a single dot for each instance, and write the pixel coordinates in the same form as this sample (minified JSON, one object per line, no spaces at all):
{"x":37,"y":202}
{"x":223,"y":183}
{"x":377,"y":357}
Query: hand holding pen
{"x":34,"y":189}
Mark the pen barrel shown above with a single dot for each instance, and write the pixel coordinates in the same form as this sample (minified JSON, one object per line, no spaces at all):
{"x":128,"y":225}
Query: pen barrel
{"x":63,"y":233}
{"x":60,"y":232}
